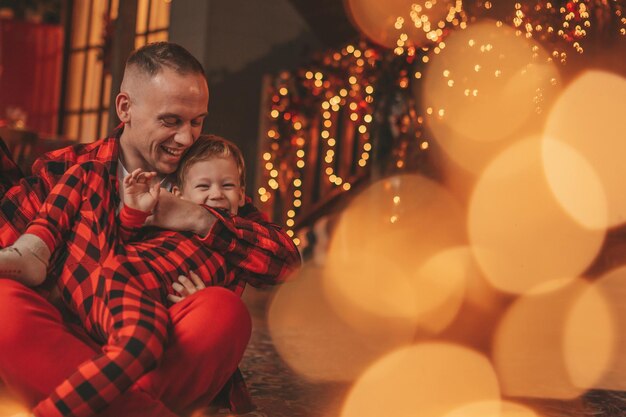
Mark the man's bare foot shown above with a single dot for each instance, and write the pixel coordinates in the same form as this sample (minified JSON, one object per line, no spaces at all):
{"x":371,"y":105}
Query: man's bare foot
{"x":26,"y":261}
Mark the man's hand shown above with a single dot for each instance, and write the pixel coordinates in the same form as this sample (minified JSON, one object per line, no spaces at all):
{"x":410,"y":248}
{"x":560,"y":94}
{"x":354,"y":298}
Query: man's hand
{"x":185,"y":287}
{"x":174,"y":213}
{"x":141,"y":190}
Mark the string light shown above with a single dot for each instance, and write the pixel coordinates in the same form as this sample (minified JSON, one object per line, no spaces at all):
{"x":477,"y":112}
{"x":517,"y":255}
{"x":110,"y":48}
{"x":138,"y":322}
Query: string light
{"x":569,"y":23}
{"x":342,"y":83}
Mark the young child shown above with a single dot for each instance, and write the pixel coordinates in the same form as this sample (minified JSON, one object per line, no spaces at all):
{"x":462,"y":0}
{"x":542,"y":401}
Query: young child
{"x":117,"y":278}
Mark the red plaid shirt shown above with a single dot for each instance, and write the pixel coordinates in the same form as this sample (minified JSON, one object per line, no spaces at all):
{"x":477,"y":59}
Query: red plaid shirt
{"x":260,"y":251}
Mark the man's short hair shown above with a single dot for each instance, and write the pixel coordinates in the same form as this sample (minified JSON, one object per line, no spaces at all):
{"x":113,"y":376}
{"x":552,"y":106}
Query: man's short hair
{"x":207,"y":147}
{"x":151,"y":58}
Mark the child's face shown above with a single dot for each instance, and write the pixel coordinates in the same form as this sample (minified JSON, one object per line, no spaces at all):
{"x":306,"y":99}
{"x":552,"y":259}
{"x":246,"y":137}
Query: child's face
{"x":214,"y":182}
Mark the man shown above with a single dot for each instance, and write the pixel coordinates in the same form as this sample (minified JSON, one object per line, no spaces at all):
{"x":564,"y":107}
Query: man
{"x":162,"y":105}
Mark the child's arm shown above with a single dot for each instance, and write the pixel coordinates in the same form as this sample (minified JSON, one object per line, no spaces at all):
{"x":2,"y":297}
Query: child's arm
{"x":262,"y":253}
{"x":140,"y":196}
{"x":140,"y":191}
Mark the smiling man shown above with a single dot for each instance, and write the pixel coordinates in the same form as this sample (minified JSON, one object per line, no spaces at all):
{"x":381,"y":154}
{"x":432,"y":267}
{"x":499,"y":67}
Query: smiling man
{"x":162,"y":114}
{"x":162,"y":104}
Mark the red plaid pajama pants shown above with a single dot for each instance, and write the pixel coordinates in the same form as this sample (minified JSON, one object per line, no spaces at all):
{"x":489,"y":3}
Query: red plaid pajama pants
{"x":116,"y":289}
{"x":39,"y":349}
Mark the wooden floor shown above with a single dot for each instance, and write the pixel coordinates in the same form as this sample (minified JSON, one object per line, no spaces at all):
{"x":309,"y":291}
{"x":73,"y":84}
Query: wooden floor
{"x":279,"y":392}
{"x":276,"y":390}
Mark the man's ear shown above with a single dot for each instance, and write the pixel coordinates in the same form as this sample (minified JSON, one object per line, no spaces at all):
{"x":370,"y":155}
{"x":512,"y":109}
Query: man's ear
{"x":177,"y":192}
{"x":122,"y":107}
{"x":242,"y":196}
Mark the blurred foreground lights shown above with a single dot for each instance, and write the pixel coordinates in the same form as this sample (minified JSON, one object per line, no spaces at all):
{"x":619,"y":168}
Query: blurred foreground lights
{"x":424,"y":380}
{"x":378,"y":258}
{"x":493,"y":409}
{"x":575,"y":184}
{"x":554,"y":343}
{"x":11,"y":408}
{"x":390,"y":298}
{"x":317,"y":343}
{"x":487,"y":81}
{"x":588,"y":117}
{"x":520,"y":234}
{"x":612,"y":286}
{"x":439,"y":287}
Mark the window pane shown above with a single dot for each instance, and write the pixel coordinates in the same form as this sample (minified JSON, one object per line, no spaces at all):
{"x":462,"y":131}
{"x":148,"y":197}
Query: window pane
{"x":79,"y":23}
{"x":115,"y":4}
{"x":140,"y":40}
{"x":89,"y":131}
{"x":142,"y":16}
{"x":71,"y":126}
{"x":97,"y":21}
{"x":159,"y":14}
{"x":75,"y":81}
{"x":158,"y":36}
{"x":93,"y":81}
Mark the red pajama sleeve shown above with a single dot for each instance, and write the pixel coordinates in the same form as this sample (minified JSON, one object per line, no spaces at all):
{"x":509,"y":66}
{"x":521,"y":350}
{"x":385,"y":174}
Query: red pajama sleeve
{"x":260,"y":250}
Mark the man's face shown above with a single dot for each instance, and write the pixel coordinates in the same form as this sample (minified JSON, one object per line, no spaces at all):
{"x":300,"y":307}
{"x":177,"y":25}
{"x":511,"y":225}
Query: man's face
{"x":214,"y":182}
{"x":164,"y":117}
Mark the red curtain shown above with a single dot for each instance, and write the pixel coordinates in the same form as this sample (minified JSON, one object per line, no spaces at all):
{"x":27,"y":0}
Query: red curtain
{"x":30,"y":72}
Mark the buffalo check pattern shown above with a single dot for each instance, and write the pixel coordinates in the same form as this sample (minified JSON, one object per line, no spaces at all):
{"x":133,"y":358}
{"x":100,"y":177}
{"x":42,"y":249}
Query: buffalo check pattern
{"x":121,"y":300}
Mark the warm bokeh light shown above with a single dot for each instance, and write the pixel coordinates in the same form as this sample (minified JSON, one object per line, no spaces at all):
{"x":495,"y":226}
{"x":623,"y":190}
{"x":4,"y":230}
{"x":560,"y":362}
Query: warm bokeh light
{"x":575,"y":184}
{"x":439,"y":287}
{"x":478,"y":309}
{"x":425,"y":380}
{"x":554,"y":343}
{"x":486,"y":86}
{"x":588,"y":117}
{"x":589,"y":338}
{"x":520,"y":234}
{"x":319,"y":344}
{"x":386,"y":235}
{"x":396,"y":298}
{"x":11,"y":408}
{"x":493,"y":409}
{"x":612,"y":287}
{"x":399,"y":23}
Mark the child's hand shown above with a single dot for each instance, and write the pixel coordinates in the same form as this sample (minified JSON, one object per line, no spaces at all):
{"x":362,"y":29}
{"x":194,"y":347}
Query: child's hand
{"x":185,"y":287}
{"x":141,"y":190}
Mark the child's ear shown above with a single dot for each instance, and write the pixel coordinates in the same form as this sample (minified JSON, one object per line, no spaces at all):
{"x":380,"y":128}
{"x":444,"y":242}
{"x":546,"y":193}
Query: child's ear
{"x":242,"y":196}
{"x":176,"y":191}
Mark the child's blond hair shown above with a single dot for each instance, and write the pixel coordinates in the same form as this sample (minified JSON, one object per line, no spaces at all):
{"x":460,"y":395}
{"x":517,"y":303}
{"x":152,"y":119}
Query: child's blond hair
{"x":207,"y":147}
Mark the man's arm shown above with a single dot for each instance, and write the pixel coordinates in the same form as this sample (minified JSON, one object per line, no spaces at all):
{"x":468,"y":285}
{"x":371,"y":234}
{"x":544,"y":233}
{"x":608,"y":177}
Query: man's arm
{"x":21,"y":202}
{"x":19,"y":206}
{"x":174,"y":213}
{"x":19,"y":198}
